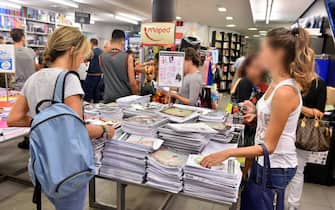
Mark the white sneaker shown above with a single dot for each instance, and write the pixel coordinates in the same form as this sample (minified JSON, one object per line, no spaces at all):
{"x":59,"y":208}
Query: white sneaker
{"x":292,"y":208}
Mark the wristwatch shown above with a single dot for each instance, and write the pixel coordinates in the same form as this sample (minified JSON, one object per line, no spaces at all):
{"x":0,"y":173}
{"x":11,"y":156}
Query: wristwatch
{"x":104,"y":134}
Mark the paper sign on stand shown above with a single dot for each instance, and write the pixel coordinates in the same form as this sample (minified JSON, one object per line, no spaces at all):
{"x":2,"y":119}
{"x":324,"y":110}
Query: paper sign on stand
{"x":171,"y":69}
{"x":7,"y":61}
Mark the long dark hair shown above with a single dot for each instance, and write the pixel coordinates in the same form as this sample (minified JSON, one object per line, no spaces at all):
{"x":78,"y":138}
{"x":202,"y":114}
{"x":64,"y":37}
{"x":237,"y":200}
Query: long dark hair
{"x":299,"y":57}
{"x":242,"y":69}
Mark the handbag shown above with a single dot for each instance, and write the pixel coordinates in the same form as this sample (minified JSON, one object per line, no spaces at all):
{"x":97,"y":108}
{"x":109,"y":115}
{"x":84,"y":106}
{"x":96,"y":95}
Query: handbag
{"x":259,"y":196}
{"x":313,"y":135}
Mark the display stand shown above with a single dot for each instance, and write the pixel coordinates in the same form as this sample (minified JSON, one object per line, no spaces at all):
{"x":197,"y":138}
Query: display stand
{"x":121,"y":196}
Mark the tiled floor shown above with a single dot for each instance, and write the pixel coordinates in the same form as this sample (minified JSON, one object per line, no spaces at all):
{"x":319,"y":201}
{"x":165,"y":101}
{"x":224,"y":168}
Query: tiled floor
{"x":18,"y":197}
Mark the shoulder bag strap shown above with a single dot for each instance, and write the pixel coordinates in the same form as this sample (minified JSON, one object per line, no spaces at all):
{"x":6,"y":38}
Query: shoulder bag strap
{"x":266,"y":176}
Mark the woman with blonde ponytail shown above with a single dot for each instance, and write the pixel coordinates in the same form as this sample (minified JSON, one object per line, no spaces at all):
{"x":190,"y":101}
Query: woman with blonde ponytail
{"x":290,"y":62}
{"x":65,"y":51}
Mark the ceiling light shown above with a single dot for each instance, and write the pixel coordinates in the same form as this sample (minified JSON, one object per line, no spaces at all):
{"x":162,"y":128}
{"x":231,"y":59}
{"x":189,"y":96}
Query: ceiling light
{"x":229,"y":18}
{"x":269,"y":4}
{"x":247,"y":37}
{"x":222,"y":9}
{"x":178,"y":18}
{"x":66,"y":3}
{"x":262,"y":32}
{"x":124,"y":19}
{"x":17,"y":1}
{"x":231,"y":25}
{"x":132,"y":17}
{"x":256,"y":36}
{"x":10,"y":5}
{"x":252,"y":29}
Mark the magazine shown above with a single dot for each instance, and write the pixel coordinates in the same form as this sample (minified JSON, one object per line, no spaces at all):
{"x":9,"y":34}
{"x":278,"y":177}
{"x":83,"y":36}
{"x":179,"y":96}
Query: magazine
{"x":152,"y":143}
{"x":192,"y":128}
{"x":169,"y":157}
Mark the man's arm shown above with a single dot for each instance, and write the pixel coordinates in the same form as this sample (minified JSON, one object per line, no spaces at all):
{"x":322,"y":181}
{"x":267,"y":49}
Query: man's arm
{"x":131,"y":75}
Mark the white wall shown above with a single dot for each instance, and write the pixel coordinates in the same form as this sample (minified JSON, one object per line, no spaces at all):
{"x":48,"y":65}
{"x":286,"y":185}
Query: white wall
{"x":103,"y":31}
{"x":317,"y":9}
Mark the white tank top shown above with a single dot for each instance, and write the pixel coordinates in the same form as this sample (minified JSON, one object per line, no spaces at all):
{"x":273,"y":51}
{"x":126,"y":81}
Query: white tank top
{"x":284,"y":155}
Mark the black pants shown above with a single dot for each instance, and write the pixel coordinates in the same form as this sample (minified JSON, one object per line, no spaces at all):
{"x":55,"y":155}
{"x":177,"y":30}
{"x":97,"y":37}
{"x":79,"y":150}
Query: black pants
{"x":92,"y":88}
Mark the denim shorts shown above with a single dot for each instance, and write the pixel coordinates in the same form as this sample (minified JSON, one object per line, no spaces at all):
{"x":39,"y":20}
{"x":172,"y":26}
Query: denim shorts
{"x":280,"y":177}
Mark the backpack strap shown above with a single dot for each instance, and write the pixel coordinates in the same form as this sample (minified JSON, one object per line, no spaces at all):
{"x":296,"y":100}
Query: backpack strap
{"x":59,"y":91}
{"x":37,"y":197}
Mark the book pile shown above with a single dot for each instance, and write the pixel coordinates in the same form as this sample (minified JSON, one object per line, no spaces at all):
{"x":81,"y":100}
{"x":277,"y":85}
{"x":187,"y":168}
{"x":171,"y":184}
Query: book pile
{"x":133,"y":99}
{"x":188,"y":138}
{"x":143,"y":125}
{"x":151,"y":108}
{"x":98,"y":146}
{"x":165,"y":170}
{"x":125,"y":158}
{"x":225,"y":133}
{"x":216,"y":117}
{"x":181,"y":113}
{"x":220,"y":183}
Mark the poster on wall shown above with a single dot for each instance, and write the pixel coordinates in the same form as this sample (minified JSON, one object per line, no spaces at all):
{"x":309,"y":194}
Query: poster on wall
{"x":171,"y":68}
{"x":7,"y":58}
{"x":158,"y":34}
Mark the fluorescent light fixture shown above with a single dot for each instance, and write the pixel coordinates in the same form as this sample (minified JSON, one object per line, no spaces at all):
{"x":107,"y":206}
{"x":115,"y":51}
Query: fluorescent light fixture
{"x":66,"y":3}
{"x":269,"y":4}
{"x":178,"y":18}
{"x":231,"y":26}
{"x":132,"y":17}
{"x":257,"y":36}
{"x":10,"y":5}
{"x":222,"y":9}
{"x":247,"y":37}
{"x":252,"y":29}
{"x":229,"y":18}
{"x":124,"y":19}
{"x":18,"y":1}
{"x":262,"y":32}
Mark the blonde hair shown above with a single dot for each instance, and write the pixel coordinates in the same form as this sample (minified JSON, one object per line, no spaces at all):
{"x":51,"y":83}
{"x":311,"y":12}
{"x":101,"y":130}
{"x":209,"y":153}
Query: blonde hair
{"x":63,"y":39}
{"x":299,"y":57}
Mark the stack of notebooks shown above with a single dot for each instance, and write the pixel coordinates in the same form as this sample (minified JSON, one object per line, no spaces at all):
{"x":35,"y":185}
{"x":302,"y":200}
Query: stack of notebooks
{"x":216,"y":116}
{"x":133,"y":99}
{"x":181,"y":113}
{"x":143,"y":125}
{"x":220,"y":183}
{"x":151,"y":108}
{"x":189,"y":138}
{"x":225,"y":133}
{"x":98,"y":146}
{"x":125,"y":158}
{"x":165,"y":170}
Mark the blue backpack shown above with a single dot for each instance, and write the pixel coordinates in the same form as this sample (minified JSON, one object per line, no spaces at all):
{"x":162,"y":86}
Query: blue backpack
{"x":61,"y":152}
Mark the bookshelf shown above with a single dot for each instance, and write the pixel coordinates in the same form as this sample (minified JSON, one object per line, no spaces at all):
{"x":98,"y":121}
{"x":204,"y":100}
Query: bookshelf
{"x":230,"y":47}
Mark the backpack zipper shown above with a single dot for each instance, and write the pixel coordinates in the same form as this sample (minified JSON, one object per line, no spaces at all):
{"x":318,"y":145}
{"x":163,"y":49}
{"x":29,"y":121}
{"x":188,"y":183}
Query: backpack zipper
{"x":71,"y":177}
{"x":275,"y":200}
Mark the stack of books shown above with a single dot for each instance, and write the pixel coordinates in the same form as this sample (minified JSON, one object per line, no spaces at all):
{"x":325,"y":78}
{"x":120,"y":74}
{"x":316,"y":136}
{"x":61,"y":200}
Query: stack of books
{"x":98,"y":146}
{"x":189,"y":138}
{"x":133,"y":99}
{"x":125,"y":158}
{"x":143,"y":125}
{"x":216,"y":116}
{"x":220,"y":183}
{"x":165,"y":170}
{"x":151,"y":108}
{"x":182,"y":113}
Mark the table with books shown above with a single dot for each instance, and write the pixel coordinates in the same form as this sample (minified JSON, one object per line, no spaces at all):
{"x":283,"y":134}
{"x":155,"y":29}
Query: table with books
{"x":160,"y":147}
{"x":10,"y":134}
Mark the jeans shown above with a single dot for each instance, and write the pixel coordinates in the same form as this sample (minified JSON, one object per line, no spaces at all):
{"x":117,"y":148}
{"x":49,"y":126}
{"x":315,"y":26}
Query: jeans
{"x":294,"y":190}
{"x":75,"y":201}
{"x":280,"y":177}
{"x":92,"y":89}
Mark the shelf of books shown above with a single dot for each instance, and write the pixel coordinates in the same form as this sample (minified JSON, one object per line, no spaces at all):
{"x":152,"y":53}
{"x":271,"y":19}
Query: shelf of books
{"x":37,"y":23}
{"x":230,"y":47}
